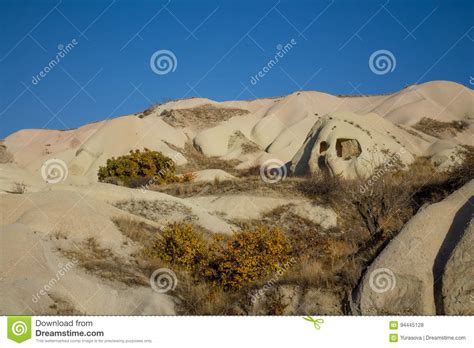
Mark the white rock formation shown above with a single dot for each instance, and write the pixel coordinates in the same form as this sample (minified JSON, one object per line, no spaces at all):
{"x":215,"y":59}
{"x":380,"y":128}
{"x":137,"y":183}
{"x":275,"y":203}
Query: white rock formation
{"x":405,"y":277}
{"x":352,"y":146}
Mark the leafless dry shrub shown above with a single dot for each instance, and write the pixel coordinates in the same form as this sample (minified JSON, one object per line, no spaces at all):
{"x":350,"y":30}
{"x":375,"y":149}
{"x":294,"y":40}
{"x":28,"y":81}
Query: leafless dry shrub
{"x":19,"y":188}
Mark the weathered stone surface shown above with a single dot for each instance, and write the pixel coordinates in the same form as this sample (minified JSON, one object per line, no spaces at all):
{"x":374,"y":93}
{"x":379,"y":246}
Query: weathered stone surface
{"x":405,"y":277}
{"x":458,"y":277}
{"x":5,"y":155}
{"x":348,"y":144}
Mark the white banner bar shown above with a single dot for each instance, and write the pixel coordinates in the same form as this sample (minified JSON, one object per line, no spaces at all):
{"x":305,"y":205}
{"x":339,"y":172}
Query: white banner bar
{"x":238,"y":332}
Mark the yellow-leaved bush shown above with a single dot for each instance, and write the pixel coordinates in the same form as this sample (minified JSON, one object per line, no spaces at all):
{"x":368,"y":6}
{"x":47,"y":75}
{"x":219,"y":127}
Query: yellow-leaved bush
{"x":246,"y":256}
{"x":139,"y":167}
{"x":229,"y":261}
{"x":179,"y":244}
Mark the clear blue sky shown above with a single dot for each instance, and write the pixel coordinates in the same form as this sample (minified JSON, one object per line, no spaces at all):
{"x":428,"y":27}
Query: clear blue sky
{"x":219,"y":45}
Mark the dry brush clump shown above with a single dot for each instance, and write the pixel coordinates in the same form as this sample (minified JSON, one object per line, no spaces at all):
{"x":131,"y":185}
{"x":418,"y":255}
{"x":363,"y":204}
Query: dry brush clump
{"x":371,"y":215}
{"x":441,"y":184}
{"x":18,"y":188}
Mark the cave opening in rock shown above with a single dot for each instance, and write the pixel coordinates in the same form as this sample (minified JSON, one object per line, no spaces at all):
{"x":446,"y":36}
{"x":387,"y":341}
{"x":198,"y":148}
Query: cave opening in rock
{"x":323,"y":146}
{"x":347,"y":148}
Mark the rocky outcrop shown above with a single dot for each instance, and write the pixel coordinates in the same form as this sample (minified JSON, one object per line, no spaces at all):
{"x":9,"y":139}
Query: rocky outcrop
{"x":407,"y":277}
{"x":458,"y":277}
{"x":5,"y":155}
{"x":36,"y":278}
{"x":351,"y":145}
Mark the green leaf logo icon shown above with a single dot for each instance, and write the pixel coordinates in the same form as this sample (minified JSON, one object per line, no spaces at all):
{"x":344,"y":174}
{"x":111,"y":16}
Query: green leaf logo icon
{"x":19,"y":328}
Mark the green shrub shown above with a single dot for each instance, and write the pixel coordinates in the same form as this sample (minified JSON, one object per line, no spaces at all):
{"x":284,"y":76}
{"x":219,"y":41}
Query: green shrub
{"x":139,"y":166}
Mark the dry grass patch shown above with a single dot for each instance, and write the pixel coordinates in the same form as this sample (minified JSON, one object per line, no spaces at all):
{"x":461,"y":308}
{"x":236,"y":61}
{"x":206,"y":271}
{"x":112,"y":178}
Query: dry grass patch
{"x":137,"y":231}
{"x":197,"y":298}
{"x":157,"y":209}
{"x":198,"y":161}
{"x":61,"y":307}
{"x":247,"y":146}
{"x":253,"y":185}
{"x":440,"y":129}
{"x":105,"y":264}
{"x":200,"y":117}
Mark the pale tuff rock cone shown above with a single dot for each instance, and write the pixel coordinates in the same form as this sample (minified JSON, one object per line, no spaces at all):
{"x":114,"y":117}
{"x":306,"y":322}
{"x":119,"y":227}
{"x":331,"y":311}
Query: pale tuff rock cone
{"x":458,"y":277}
{"x":405,"y":278}
{"x":354,"y":146}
